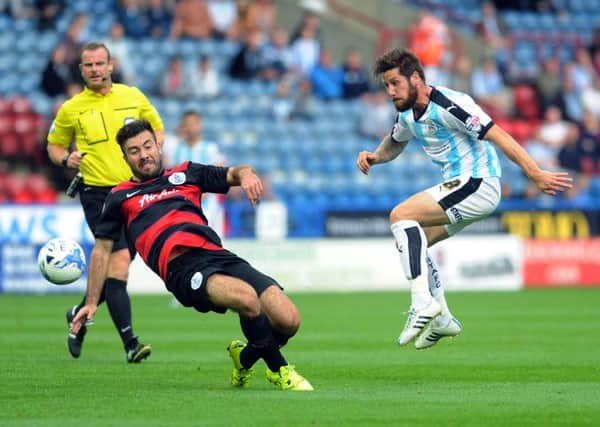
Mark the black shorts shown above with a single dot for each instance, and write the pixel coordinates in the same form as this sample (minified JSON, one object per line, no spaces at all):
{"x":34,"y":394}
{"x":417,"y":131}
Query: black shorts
{"x":92,"y":199}
{"x":187,"y":275}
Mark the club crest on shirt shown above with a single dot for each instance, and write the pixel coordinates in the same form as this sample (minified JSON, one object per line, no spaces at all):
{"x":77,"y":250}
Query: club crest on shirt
{"x":473,"y":124}
{"x":430,"y":126}
{"x":177,"y":178}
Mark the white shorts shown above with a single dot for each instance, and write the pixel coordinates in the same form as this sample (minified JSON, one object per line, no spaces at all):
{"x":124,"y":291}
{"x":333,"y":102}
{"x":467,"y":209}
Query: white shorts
{"x":466,"y":200}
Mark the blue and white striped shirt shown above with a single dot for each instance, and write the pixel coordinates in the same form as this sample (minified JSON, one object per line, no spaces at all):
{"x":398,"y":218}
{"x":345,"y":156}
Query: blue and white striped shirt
{"x":451,"y":131}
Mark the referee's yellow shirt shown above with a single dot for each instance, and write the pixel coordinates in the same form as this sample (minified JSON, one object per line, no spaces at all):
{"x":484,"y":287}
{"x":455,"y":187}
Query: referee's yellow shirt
{"x":94,"y":120}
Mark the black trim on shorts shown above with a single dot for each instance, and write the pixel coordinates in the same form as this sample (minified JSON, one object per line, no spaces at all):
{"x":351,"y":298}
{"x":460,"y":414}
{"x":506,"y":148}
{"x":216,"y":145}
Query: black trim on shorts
{"x":461,"y":194}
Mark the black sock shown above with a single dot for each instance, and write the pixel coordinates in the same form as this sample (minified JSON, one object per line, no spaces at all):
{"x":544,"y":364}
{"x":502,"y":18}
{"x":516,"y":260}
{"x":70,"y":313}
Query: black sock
{"x":119,"y":307}
{"x":261,"y":343}
{"x":280,"y":338}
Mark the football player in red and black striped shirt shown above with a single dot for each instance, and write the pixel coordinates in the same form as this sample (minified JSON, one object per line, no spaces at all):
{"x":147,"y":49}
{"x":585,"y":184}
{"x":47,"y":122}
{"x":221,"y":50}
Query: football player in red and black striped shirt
{"x":162,"y":214}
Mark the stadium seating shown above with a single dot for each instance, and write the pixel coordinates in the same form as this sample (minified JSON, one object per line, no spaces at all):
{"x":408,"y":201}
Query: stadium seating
{"x":309,"y":163}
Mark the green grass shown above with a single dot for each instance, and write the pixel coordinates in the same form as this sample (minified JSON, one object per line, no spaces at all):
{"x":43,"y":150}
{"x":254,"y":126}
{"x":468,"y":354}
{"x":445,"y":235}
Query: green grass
{"x":524,"y":358}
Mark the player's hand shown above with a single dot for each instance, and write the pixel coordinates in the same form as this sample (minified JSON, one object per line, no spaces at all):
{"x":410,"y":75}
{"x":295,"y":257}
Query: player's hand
{"x":553,"y":182}
{"x":365,"y":160}
{"x":252,"y":186}
{"x":85,"y":316}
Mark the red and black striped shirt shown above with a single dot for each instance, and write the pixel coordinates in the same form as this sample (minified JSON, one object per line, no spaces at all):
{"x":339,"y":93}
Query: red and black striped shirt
{"x":164,"y":212}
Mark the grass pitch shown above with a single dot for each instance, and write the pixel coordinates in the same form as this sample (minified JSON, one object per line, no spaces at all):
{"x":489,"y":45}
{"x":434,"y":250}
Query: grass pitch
{"x":527,"y":358}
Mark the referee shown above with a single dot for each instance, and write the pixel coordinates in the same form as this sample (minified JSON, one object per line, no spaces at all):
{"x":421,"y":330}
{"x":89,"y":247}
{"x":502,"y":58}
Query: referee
{"x":92,"y":118}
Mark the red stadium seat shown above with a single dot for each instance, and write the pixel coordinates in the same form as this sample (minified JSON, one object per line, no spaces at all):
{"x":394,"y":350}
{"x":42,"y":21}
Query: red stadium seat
{"x":39,"y":187}
{"x":7,"y":123}
{"x":26,"y":123}
{"x":20,"y":104}
{"x":4,"y":106}
{"x":10,"y":145}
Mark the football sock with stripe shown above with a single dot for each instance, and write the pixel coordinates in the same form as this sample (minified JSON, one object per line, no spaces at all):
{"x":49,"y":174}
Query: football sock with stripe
{"x":412,"y":245}
{"x":119,"y":307}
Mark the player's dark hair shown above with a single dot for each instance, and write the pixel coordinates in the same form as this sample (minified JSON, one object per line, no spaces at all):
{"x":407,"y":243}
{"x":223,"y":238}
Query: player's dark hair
{"x":94,"y":46}
{"x":404,"y":60}
{"x":133,"y":129}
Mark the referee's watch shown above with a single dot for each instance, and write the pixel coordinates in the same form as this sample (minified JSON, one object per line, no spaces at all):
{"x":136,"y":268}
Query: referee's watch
{"x":64,"y":161}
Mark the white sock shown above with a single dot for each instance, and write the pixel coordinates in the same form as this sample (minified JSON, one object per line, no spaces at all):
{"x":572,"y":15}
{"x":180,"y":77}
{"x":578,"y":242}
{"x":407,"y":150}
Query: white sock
{"x":437,"y":290}
{"x":412,"y":245}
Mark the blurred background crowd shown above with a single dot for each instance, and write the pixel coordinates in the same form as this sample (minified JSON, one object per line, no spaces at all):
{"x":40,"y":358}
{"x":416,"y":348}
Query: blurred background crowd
{"x":279,"y":97}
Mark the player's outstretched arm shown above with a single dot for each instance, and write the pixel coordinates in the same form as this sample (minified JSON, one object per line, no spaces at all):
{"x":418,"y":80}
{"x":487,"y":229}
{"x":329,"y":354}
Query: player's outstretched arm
{"x":97,"y":271}
{"x":245,"y":176}
{"x":548,"y":182}
{"x":386,"y":150}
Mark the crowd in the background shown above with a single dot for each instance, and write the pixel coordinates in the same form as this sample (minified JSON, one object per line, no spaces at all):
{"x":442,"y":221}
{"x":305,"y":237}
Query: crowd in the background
{"x":554,"y":114}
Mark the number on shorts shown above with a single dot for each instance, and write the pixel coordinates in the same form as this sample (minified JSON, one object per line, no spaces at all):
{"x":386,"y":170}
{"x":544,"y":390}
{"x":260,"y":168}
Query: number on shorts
{"x":449,"y":185}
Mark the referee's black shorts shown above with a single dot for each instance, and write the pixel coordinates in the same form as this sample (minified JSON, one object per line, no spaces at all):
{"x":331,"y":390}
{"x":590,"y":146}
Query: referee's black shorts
{"x":187,"y":275}
{"x":92,"y":200}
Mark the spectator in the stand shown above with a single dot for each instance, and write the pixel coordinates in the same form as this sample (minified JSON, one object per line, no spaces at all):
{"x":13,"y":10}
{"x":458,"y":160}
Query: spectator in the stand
{"x":303,"y":101}
{"x":580,"y":154}
{"x":47,"y":12}
{"x":591,"y":97}
{"x":327,"y":77}
{"x":310,"y":20}
{"x":75,"y":37}
{"x":160,"y":16}
{"x":117,"y":75}
{"x":554,"y":130}
{"x":57,"y":73}
{"x":277,"y":57}
{"x":205,"y":80}
{"x":356,"y":77}
{"x":16,"y":9}
{"x":461,"y":75}
{"x":191,"y":145}
{"x":594,"y":49}
{"x":132,"y":16}
{"x":261,"y":15}
{"x":489,"y":89}
{"x":586,"y":151}
{"x":174,"y":80}
{"x":549,"y":83}
{"x":583,"y":69}
{"x":571,"y":100}
{"x":377,"y":116}
{"x":491,"y":28}
{"x":119,"y":50}
{"x":247,"y":64}
{"x":223,"y":14}
{"x":306,"y":49}
{"x":192,"y":20}
{"x":430,"y":39}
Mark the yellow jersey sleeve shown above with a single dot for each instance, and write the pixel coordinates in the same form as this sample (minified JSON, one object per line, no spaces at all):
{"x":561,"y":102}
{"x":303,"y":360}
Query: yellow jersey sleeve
{"x":61,"y":131}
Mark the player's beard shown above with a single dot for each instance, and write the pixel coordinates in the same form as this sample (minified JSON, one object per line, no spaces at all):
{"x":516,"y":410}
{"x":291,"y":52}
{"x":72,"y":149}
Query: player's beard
{"x":144,"y":174}
{"x":409,"y":102}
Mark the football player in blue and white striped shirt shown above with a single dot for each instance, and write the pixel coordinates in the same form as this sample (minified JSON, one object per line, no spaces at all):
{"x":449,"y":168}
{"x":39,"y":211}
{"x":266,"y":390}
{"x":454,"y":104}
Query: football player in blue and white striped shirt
{"x":461,"y":138}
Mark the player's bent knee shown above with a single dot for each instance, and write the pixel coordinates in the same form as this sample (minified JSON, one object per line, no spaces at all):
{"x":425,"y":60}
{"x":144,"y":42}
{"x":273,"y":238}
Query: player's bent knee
{"x":246,"y":304}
